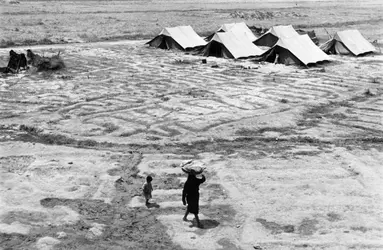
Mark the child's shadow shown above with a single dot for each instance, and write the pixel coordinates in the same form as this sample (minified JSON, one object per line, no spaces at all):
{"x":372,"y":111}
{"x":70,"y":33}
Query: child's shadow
{"x":152,"y":205}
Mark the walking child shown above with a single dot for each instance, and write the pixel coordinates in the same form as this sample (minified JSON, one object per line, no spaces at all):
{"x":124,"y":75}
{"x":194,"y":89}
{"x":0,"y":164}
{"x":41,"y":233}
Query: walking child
{"x":147,"y":189}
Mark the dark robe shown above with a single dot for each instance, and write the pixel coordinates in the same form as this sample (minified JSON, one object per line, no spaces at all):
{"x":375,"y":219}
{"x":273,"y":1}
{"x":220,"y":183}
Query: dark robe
{"x":190,"y":193}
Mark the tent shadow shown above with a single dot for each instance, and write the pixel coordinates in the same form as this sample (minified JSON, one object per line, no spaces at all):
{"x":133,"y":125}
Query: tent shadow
{"x":206,"y":224}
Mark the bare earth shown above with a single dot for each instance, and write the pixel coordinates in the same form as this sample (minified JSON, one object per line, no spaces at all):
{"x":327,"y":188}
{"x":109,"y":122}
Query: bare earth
{"x":294,"y":155}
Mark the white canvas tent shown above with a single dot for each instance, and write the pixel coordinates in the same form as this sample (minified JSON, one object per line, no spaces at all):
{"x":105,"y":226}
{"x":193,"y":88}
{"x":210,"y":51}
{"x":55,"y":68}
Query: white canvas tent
{"x":181,"y":38}
{"x":237,"y":28}
{"x":271,"y":37}
{"x":348,"y":42}
{"x":231,"y":45}
{"x":295,"y":50}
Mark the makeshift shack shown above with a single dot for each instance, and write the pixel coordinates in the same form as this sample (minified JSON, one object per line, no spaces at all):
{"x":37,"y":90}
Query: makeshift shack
{"x":16,"y":63}
{"x":45,"y":63}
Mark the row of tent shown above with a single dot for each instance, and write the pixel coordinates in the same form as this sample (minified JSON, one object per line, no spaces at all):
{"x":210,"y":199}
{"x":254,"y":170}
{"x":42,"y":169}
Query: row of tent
{"x":283,"y":43}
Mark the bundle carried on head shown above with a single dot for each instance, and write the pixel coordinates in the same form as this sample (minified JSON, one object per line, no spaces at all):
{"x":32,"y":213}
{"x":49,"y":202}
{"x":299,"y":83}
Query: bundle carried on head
{"x":193,"y":167}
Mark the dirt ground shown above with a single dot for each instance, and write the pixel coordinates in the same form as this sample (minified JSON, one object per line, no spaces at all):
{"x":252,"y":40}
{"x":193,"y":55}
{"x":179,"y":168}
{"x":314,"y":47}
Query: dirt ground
{"x":293,"y":155}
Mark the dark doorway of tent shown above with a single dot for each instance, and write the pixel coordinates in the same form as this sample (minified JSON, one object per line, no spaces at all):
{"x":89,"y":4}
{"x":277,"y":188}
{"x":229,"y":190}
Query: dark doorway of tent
{"x":165,"y":42}
{"x":217,"y":49}
{"x":283,"y":56}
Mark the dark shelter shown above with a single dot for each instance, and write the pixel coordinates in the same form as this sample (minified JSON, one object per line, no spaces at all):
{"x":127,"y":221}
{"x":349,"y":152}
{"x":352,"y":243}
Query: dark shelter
{"x":16,"y":63}
{"x":45,"y":63}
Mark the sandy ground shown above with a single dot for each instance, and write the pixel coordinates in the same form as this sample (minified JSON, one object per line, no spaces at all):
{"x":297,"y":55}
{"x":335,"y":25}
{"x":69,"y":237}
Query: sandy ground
{"x":293,"y":154}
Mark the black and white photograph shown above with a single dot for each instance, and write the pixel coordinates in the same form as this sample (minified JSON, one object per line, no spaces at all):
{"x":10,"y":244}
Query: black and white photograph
{"x":191,"y":124}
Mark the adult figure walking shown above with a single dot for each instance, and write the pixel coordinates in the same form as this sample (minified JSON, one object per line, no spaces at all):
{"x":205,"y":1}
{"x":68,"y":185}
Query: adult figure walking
{"x":190,"y":195}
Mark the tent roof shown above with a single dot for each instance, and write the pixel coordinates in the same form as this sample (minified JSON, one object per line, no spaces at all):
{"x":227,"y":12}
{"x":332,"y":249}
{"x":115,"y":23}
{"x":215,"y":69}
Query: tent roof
{"x":282,"y":31}
{"x":237,"y":44}
{"x":227,"y":26}
{"x":303,"y":48}
{"x":238,"y":28}
{"x":185,"y":36}
{"x":354,"y":41}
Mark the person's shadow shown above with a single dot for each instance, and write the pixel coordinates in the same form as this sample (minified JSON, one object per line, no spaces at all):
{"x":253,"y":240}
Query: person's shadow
{"x":205,"y":224}
{"x":152,"y":205}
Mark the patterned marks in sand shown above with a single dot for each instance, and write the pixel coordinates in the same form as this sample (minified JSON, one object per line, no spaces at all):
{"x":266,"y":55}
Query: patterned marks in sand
{"x":135,"y":89}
